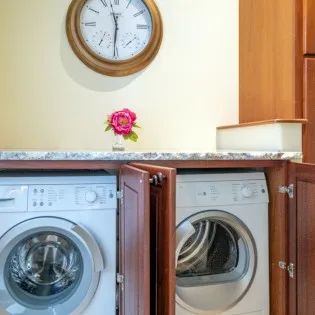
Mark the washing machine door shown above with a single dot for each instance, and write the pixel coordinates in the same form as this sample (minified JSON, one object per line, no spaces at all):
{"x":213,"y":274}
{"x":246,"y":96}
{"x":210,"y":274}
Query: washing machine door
{"x":48,"y":265}
{"x":215,"y":261}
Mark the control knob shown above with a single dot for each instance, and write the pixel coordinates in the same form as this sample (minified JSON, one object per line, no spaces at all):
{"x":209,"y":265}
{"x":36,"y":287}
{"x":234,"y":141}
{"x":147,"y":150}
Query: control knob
{"x":90,"y":196}
{"x":247,"y":191}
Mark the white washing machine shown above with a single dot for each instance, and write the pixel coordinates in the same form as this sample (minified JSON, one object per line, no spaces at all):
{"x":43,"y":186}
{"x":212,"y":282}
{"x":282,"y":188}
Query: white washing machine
{"x":222,"y":244}
{"x":58,"y":245}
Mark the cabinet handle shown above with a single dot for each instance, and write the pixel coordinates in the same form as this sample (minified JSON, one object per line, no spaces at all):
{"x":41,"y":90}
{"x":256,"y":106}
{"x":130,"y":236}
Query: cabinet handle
{"x":157,"y":179}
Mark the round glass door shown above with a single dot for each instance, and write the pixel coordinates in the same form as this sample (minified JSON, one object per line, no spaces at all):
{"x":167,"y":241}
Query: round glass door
{"x":215,"y":261}
{"x":48,"y":266}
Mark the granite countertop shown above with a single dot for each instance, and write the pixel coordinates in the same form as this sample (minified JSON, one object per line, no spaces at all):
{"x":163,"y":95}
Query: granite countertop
{"x":29,"y":155}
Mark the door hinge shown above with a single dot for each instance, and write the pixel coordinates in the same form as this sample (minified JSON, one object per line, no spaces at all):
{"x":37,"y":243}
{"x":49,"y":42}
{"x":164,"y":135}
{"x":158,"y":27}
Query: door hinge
{"x":119,"y":194}
{"x":282,"y":265}
{"x":120,"y":278}
{"x":290,"y":268}
{"x":287,"y":190}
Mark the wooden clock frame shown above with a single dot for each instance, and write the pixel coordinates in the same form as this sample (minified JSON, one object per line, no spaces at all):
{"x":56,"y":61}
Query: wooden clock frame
{"x":113,"y":67}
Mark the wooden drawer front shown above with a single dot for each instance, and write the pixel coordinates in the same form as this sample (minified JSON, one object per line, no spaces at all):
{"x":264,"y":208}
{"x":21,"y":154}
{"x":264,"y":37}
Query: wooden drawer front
{"x":309,"y":26}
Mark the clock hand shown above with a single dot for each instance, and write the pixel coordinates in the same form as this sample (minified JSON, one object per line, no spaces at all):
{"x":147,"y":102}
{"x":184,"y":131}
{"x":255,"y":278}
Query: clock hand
{"x":115,"y":38}
{"x":128,"y":4}
{"x":114,"y":16}
{"x":116,"y":28}
{"x":130,"y":41}
{"x":102,"y":39}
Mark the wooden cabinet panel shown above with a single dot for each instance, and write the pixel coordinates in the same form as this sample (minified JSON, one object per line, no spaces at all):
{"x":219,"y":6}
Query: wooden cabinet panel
{"x":278,"y":231}
{"x":302,"y":240}
{"x":270,"y":60}
{"x":309,"y":111}
{"x":309,"y":26}
{"x":162,"y":233}
{"x":134,"y":262}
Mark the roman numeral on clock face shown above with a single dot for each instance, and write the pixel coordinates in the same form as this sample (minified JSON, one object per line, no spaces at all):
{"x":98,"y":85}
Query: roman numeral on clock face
{"x":116,"y":2}
{"x":94,"y":10}
{"x":142,"y":27}
{"x":138,"y":13}
{"x":90,"y":24}
{"x":104,"y":3}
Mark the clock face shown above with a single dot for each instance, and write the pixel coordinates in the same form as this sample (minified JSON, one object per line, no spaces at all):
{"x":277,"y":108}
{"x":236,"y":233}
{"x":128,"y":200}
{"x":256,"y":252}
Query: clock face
{"x":116,"y":29}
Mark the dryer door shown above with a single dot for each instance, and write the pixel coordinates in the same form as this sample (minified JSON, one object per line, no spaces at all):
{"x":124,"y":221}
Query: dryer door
{"x":215,"y":261}
{"x":48,"y":265}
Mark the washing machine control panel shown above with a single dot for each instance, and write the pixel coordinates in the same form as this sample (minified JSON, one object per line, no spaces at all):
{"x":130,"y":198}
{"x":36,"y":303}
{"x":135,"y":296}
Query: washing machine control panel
{"x":221,"y":193}
{"x":71,"y":197}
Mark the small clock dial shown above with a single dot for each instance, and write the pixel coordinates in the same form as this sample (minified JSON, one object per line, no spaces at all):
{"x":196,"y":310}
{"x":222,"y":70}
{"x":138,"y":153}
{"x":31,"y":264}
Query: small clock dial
{"x":116,"y":29}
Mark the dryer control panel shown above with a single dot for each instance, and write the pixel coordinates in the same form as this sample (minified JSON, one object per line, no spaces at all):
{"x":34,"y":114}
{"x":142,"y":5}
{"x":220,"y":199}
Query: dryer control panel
{"x":221,"y":193}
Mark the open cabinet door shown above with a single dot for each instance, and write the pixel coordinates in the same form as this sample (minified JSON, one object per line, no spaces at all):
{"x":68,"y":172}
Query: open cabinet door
{"x":134,"y":240}
{"x":302,"y":240}
{"x":162,"y":232}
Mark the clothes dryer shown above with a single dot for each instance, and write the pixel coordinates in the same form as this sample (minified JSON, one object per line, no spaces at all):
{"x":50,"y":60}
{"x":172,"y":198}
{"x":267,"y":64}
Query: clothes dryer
{"x":222,"y":244}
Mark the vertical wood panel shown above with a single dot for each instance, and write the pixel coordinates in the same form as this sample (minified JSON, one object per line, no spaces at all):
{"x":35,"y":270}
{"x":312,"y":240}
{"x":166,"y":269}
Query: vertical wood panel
{"x":302,"y":239}
{"x":270,"y":61}
{"x":278,"y":235}
{"x":134,"y":262}
{"x":306,"y":247}
{"x":309,"y":26}
{"x":163,"y":228}
{"x":309,"y":110}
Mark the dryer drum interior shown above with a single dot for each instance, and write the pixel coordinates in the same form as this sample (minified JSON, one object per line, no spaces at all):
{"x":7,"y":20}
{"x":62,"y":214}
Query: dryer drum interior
{"x":212,"y":249}
{"x":216,"y":260}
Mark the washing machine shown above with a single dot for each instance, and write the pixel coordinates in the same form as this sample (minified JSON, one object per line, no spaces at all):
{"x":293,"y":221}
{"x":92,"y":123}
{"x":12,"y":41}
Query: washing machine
{"x":222,"y":244}
{"x":58,"y":244}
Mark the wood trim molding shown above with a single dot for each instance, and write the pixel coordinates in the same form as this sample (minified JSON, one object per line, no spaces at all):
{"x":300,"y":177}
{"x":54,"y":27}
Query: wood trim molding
{"x":106,"y":66}
{"x":97,"y":165}
{"x":265,"y":122}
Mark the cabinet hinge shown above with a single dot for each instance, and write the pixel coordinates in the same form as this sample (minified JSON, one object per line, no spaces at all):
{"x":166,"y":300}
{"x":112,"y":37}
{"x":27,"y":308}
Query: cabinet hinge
{"x":282,"y":265}
{"x":120,"y":278}
{"x":119,"y":194}
{"x":287,"y":190}
{"x":290,"y":268}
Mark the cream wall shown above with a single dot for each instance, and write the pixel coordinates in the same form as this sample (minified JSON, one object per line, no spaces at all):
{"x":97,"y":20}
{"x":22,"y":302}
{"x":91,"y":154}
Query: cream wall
{"x":49,"y":100}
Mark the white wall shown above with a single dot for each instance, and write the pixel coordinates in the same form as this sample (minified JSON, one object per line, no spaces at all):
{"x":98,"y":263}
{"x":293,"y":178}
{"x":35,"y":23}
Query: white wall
{"x":49,"y":100}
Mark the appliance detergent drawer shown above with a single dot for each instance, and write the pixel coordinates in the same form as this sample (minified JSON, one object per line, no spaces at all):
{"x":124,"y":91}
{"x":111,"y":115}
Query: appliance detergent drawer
{"x":13,"y":198}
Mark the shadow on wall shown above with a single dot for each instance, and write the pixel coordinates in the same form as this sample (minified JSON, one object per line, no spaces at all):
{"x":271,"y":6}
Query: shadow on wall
{"x":84,"y":76}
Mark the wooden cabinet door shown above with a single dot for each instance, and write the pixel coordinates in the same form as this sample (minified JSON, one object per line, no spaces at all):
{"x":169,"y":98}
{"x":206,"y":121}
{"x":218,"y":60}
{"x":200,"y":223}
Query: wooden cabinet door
{"x":302,"y":239}
{"x":162,"y":232}
{"x":147,"y":240}
{"x":309,"y":110}
{"x":309,"y":26}
{"x":134,"y":240}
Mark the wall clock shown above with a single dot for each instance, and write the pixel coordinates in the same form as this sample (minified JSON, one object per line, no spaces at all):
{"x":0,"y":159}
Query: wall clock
{"x":114,"y":37}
